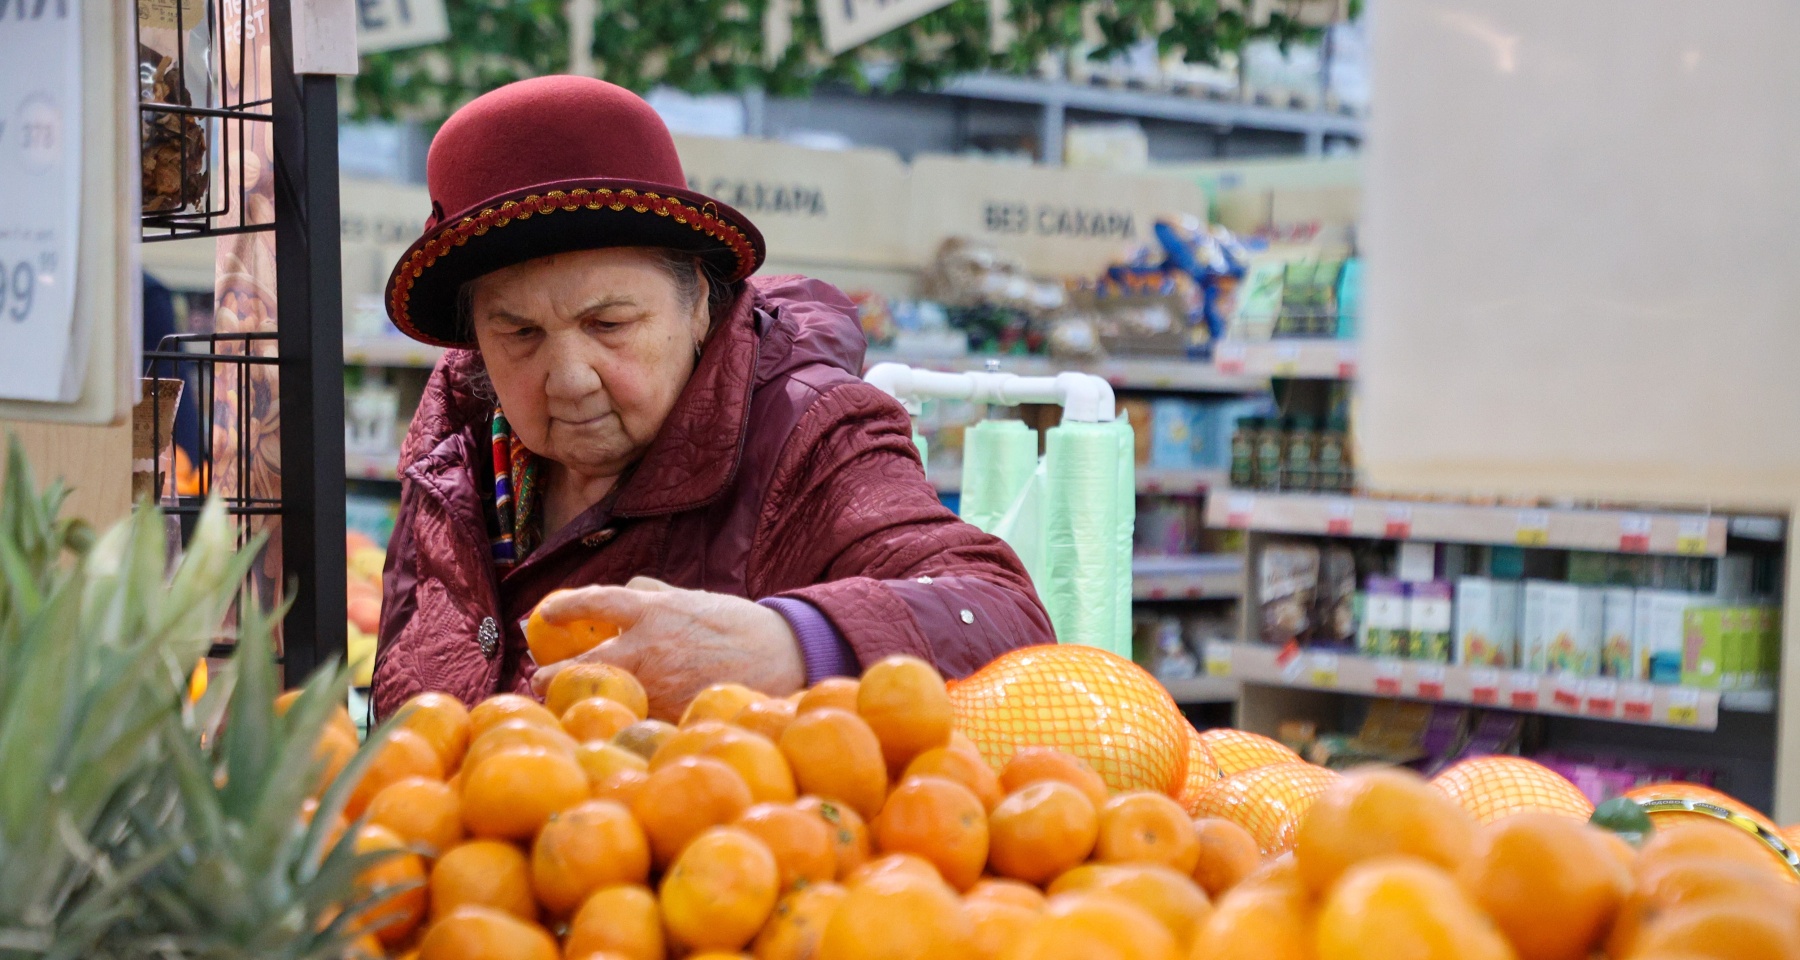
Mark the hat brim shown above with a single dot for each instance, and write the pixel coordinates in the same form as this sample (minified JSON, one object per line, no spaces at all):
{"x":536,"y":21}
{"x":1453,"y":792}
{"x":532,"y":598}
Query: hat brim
{"x":556,"y":218}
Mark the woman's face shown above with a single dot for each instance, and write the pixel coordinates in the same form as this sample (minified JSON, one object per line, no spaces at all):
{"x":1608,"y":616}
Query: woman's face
{"x":587,"y":351}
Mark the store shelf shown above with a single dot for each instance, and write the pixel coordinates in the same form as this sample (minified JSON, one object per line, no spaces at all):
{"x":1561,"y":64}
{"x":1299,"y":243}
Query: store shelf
{"x":389,"y":352}
{"x":1204,"y":690}
{"x":1569,"y":529}
{"x":1591,"y":697}
{"x":1126,"y":373}
{"x":1152,"y":105}
{"x":1291,"y":359}
{"x":1208,"y":576}
{"x":1149,"y":480}
{"x":363,"y":466}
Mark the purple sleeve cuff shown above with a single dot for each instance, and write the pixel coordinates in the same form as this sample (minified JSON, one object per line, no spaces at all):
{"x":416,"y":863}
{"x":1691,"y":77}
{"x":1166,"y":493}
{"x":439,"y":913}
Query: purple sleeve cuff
{"x":821,"y":647}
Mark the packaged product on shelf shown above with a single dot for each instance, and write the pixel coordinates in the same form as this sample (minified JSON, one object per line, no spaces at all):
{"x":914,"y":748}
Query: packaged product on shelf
{"x":1137,"y":413}
{"x":1170,"y":658}
{"x":1416,"y":561}
{"x":1259,"y":300}
{"x":1723,"y":647}
{"x":1660,"y":631}
{"x":1287,"y":582}
{"x":1349,"y":299}
{"x":1429,"y":620}
{"x":1210,"y":436}
{"x":1333,"y":473}
{"x":1487,"y":622}
{"x":1619,"y":620}
{"x":1270,"y":443}
{"x":1733,"y":575}
{"x":1587,"y":567}
{"x":1383,"y":632}
{"x":1533,"y":643}
{"x":1298,"y":457}
{"x":1167,"y":526}
{"x":1171,"y":441}
{"x":1574,"y":622}
{"x":1308,"y":299}
{"x":1243,"y":452}
{"x":1334,"y":612}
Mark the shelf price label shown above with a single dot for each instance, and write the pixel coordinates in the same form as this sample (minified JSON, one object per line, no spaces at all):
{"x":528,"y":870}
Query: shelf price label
{"x":1229,"y":357}
{"x":1691,"y":536}
{"x":1287,"y":360}
{"x":1399,"y":522}
{"x":1324,"y":669}
{"x":1340,"y":517}
{"x":1634,"y":533}
{"x":1346,"y":364}
{"x":1635,"y":702}
{"x":1565,"y":693}
{"x":1684,"y":707}
{"x":1532,"y":528}
{"x":1601,"y":698}
{"x":1239,"y":508}
{"x":1387,"y":677}
{"x":1484,"y":687}
{"x":1522,"y":690}
{"x":1218,"y":659}
{"x":1430,"y":677}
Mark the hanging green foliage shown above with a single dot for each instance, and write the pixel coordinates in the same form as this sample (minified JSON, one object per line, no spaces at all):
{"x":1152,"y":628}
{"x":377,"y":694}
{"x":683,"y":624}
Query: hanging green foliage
{"x":711,"y":46}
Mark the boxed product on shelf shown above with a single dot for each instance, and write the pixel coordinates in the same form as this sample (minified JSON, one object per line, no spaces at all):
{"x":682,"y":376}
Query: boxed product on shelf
{"x":1137,"y":413}
{"x":1259,"y":300}
{"x":1660,"y":632}
{"x":1429,"y":620}
{"x":1287,"y":583}
{"x":1487,"y":621}
{"x":1334,"y":607}
{"x":1619,"y":622}
{"x":1724,"y":647}
{"x":1171,"y":434}
{"x":1383,"y":631}
{"x":1168,"y":526}
{"x":1570,"y":624}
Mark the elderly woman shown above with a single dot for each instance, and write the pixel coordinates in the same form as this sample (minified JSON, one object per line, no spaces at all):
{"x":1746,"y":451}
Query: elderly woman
{"x":630,"y":413}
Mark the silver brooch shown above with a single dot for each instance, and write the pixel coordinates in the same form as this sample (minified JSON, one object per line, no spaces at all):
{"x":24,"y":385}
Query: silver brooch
{"x":488,"y":637}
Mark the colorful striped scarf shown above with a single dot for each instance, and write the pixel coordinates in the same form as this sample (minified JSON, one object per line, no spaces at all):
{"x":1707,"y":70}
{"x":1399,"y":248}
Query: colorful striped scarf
{"x":515,"y":495}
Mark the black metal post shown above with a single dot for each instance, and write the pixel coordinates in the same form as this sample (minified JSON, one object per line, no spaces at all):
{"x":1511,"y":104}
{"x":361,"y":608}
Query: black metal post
{"x":310,"y":321}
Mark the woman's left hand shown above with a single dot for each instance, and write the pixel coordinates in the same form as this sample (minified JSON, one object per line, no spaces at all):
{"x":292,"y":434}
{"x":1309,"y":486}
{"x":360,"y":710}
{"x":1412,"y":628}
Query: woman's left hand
{"x":679,"y":642}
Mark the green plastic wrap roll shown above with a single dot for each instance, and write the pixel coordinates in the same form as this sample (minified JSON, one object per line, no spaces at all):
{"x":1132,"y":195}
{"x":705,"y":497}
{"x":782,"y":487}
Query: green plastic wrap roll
{"x":1083,"y":511}
{"x":998,"y":459}
{"x":924,"y":456}
{"x":1125,"y":523}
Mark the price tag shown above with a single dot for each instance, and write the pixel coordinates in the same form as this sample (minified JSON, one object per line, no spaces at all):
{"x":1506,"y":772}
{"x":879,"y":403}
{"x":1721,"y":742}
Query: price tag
{"x":1690,"y":536}
{"x":1565,"y":693}
{"x":1684,"y":707}
{"x":1522,"y":690}
{"x":1532,"y":528}
{"x":1292,"y":664}
{"x":1340,"y":516}
{"x":1239,"y":508}
{"x":1287,"y":360}
{"x":1484,"y":687}
{"x":1229,"y":357}
{"x":1635,"y":700}
{"x":1218,"y":659}
{"x":1431,"y":681}
{"x":1346,"y":363}
{"x":1324,"y":669}
{"x":1387,"y":677}
{"x":1601,"y":698}
{"x":1634,"y":533}
{"x":1399,"y":522}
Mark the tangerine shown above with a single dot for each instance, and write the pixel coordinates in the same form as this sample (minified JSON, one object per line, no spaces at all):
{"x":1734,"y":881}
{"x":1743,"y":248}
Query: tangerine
{"x":1372,"y":813}
{"x":794,"y":930}
{"x":1173,"y":898}
{"x":623,"y":921}
{"x":442,"y":720}
{"x":904,"y":701}
{"x":905,"y":864}
{"x":754,"y":757}
{"x":1144,"y":827}
{"x":1094,"y":926}
{"x":1717,"y":839}
{"x":555,"y":642}
{"x":966,"y":768}
{"x":485,"y":873}
{"x":1384,"y":901}
{"x":596,"y":718}
{"x":602,"y":760}
{"x":1042,"y":830}
{"x":1032,"y":764}
{"x":685,"y":797}
{"x":403,"y":754}
{"x":399,"y":878}
{"x":508,"y":734}
{"x":767,"y":718}
{"x":1228,"y":854}
{"x":622,"y":786}
{"x":576,"y":682}
{"x":721,"y":701}
{"x":897,"y":917}
{"x":720,"y":890}
{"x":996,"y":924}
{"x":510,"y":794}
{"x":1675,"y":882}
{"x":482,"y":933}
{"x":849,"y":834}
{"x":1257,"y":922}
{"x":837,"y":693}
{"x":502,"y":707}
{"x":940,"y":820}
{"x":425,"y":813}
{"x":1722,"y":930}
{"x":644,"y":737}
{"x":836,"y":756}
{"x":584,"y":848}
{"x":799,"y":839}
{"x":338,"y":718}
{"x":332,"y":754}
{"x":1548,"y":882}
{"x":1009,"y":891}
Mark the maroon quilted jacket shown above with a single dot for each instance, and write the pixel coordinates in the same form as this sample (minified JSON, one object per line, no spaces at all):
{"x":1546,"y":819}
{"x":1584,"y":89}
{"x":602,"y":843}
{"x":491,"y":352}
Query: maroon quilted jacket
{"x":778,"y":473}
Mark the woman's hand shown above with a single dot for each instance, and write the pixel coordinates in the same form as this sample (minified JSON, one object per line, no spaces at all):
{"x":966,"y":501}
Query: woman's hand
{"x":679,"y":642}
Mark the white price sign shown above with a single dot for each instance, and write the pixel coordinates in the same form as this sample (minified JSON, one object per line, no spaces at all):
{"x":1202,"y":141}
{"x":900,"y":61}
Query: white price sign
{"x":40,"y":199}
{"x":852,"y":23}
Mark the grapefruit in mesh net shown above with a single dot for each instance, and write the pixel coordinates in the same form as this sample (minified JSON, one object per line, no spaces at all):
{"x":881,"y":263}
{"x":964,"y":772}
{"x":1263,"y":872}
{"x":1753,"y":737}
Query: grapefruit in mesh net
{"x":1498,"y":786}
{"x":1202,"y":771}
{"x":1693,"y":791}
{"x":1084,"y":701}
{"x":1238,"y":750}
{"x":1268,"y":801}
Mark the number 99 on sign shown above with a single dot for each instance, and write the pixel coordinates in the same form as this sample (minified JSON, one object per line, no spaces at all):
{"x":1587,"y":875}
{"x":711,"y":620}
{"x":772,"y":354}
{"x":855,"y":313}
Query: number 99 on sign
{"x":18,"y":288}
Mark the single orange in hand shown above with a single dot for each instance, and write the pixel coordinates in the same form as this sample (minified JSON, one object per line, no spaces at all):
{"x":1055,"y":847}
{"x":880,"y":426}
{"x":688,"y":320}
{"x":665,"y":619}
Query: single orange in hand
{"x":849,"y":834}
{"x":799,"y":839}
{"x":721,"y":701}
{"x":1173,"y":898}
{"x":485,"y":873}
{"x":480,"y":933}
{"x":897,"y":917}
{"x":837,"y":693}
{"x":939,"y":820}
{"x":403,"y":754}
{"x":1033,"y":764}
{"x":442,"y":720}
{"x":1548,"y":882}
{"x":425,"y":813}
{"x":576,"y":682}
{"x":508,"y":734}
{"x":596,"y":718}
{"x":1228,"y":854}
{"x":794,"y":931}
{"x":1373,"y":813}
{"x":720,"y":890}
{"x":622,"y":921}
{"x":1144,"y":827}
{"x":584,"y":848}
{"x":400,"y":914}
{"x":555,"y":642}
{"x":996,"y":925}
{"x":767,"y":717}
{"x":835,"y":755}
{"x":904,"y":701}
{"x":967,"y":769}
{"x":602,"y":760}
{"x":502,"y":707}
{"x":1041,"y":830}
{"x":510,"y":794}
{"x":686,"y":797}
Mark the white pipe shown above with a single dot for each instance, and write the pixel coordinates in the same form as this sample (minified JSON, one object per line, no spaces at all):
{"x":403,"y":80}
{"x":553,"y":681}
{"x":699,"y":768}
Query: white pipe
{"x":1084,"y":397}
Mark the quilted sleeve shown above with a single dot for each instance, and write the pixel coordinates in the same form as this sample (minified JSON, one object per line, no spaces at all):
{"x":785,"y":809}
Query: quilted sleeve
{"x":852,"y":526}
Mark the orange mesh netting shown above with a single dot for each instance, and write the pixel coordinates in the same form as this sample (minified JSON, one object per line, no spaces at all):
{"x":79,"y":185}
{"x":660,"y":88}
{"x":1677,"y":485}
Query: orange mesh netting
{"x":1238,"y":750}
{"x":1267,"y":801}
{"x":1202,"y":771}
{"x":1085,"y":701}
{"x":1495,"y":787}
{"x":1694,"y":791}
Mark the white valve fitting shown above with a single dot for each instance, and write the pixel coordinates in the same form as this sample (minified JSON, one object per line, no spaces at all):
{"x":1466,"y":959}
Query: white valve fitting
{"x":1084,"y":397}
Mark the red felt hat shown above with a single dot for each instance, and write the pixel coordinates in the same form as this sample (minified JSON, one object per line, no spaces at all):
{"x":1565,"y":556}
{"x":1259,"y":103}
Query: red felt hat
{"x":545,"y":166}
